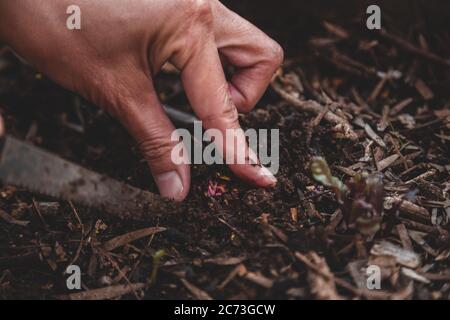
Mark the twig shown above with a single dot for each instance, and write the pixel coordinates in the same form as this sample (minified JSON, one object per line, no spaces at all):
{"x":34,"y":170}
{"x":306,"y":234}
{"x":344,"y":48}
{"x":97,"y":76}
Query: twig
{"x":320,"y":116}
{"x":407,"y":207}
{"x":198,"y":293}
{"x":116,"y":266}
{"x":413,"y":49}
{"x":105,"y":293}
{"x":240,"y":234}
{"x":80,"y":245}
{"x":38,"y":212}
{"x":400,"y":106}
{"x":8,"y":218}
{"x":425,"y":175}
{"x":314,"y":107}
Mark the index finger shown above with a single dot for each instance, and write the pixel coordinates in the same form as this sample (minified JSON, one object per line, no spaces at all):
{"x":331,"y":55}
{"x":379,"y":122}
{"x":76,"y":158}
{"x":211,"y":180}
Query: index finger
{"x":254,"y":55}
{"x":207,"y":90}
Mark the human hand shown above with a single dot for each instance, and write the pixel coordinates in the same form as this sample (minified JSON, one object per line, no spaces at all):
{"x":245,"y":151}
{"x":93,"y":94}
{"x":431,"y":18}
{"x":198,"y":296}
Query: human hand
{"x":123,"y":44}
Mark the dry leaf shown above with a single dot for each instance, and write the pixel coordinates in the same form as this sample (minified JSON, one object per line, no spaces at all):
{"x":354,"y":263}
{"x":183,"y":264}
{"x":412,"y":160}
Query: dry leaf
{"x":124,"y":239}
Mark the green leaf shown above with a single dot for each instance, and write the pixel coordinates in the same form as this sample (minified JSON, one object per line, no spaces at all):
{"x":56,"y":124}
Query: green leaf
{"x":321,"y":173}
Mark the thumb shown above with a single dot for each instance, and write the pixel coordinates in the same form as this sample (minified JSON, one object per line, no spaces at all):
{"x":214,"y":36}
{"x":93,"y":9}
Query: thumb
{"x":143,"y":116}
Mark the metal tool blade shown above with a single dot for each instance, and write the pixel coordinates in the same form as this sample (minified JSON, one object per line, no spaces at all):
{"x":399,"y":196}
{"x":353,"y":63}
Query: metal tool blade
{"x":180,"y":117}
{"x":27,"y":166}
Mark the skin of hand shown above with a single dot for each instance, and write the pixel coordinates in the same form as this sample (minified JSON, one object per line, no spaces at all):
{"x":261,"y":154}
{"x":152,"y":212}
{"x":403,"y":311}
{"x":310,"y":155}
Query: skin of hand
{"x":123,"y":44}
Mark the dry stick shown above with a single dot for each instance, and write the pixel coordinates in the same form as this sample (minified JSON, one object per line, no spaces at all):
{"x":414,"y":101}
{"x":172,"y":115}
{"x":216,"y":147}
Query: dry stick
{"x":240,"y":234}
{"x":404,"y":237}
{"x":143,"y":253}
{"x":80,"y":246}
{"x":230,"y":276}
{"x":425,"y":175}
{"x":8,"y":218}
{"x":121,"y":273}
{"x":198,"y":293}
{"x":414,"y":167}
{"x":309,"y":87}
{"x":314,"y":107}
{"x":424,"y":228}
{"x":408,"y":207}
{"x":397,"y":151}
{"x":38,"y":212}
{"x":400,"y":106}
{"x":105,"y":293}
{"x":413,"y":49}
{"x":320,"y":116}
{"x":377,"y":90}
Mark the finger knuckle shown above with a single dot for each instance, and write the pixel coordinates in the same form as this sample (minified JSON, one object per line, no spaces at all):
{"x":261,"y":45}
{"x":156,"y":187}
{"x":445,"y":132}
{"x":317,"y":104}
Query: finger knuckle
{"x":227,"y":115}
{"x":276,"y":54}
{"x":156,"y":149}
{"x":230,"y":114}
{"x":199,"y":11}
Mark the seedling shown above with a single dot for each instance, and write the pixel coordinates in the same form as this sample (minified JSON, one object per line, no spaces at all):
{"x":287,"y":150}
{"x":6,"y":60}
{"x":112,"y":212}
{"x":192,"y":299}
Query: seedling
{"x":361,"y":198}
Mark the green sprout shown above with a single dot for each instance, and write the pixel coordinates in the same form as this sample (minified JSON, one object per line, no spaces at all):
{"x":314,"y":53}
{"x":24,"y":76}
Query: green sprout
{"x":361,"y":198}
{"x":156,"y":259}
{"x":321,"y":173}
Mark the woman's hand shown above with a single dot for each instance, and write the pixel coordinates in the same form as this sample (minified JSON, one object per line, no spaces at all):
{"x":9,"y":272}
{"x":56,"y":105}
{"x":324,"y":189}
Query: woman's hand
{"x":123,"y":44}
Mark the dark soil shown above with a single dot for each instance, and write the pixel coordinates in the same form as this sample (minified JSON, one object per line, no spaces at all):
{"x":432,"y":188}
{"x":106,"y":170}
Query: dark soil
{"x":242,"y":242}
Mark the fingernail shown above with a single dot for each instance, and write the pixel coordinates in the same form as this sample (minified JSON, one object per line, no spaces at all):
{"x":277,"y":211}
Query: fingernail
{"x":170,"y":185}
{"x":268,"y":176}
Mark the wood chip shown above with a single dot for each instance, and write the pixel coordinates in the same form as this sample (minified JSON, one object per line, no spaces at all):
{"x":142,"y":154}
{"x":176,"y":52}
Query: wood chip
{"x":226,"y":261}
{"x":404,"y":237}
{"x":375,"y":137}
{"x":414,"y":275}
{"x":320,"y":278}
{"x":196,"y":292}
{"x":400,"y":106}
{"x":418,"y":238}
{"x":403,"y":257}
{"x":336,"y":30}
{"x":438,"y":276}
{"x":387,"y":162}
{"x":238,"y":270}
{"x":423,"y":89}
{"x":348,"y":171}
{"x":425,"y":175}
{"x":294,"y":214}
{"x":279,"y":233}
{"x":384,"y":121}
{"x":357,"y":271}
{"x":407,"y":120}
{"x":259,"y":279}
{"x":406,"y":206}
